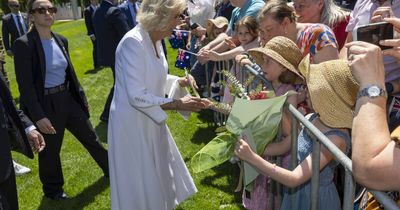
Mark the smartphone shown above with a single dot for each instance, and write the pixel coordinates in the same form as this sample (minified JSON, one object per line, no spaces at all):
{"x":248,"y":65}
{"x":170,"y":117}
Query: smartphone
{"x":373,"y":33}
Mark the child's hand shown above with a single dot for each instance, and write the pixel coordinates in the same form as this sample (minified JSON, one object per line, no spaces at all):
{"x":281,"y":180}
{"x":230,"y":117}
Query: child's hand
{"x":243,"y":150}
{"x":212,"y":55}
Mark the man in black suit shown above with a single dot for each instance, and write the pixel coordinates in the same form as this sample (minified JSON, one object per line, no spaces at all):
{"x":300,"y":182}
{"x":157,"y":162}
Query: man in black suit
{"x":110,"y":26}
{"x":130,"y":9}
{"x":15,"y":24}
{"x":15,"y":129}
{"x":94,"y":4}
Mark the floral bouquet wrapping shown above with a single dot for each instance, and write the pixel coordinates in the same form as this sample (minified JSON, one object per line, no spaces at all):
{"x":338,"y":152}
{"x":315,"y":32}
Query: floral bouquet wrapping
{"x":259,"y":120}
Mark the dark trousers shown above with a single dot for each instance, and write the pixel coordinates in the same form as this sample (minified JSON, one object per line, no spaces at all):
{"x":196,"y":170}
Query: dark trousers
{"x":106,"y":110}
{"x":3,"y":71}
{"x":8,"y":187}
{"x":94,"y":53}
{"x":65,"y":113}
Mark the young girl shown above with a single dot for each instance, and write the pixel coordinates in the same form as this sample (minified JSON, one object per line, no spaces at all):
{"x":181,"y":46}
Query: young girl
{"x":331,"y":93}
{"x":247,"y":33}
{"x":278,"y":59}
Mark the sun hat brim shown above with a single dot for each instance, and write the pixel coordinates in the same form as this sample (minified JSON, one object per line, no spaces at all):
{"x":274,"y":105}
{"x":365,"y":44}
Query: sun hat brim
{"x":333,"y":102}
{"x":258,"y":53}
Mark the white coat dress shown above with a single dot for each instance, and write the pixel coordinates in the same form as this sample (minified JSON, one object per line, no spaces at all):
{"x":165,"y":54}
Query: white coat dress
{"x":147,"y":171}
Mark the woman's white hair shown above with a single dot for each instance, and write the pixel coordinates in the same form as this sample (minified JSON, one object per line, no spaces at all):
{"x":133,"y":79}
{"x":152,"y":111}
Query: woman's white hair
{"x":332,"y":13}
{"x":154,"y":15}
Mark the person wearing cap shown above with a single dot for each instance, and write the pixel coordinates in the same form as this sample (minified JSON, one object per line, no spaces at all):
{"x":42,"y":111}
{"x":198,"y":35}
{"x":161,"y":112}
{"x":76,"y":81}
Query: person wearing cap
{"x":375,"y":152}
{"x":216,"y":26}
{"x":331,"y":94}
{"x":278,"y":59}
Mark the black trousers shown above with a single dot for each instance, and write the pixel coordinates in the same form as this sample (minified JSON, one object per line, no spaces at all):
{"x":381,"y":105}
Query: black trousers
{"x":106,"y":110}
{"x":65,"y":113}
{"x":8,"y":187}
{"x":94,"y":53}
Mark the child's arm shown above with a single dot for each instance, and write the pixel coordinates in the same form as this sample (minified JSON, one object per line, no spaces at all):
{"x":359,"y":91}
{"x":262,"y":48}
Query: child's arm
{"x":299,"y":175}
{"x":231,"y":54}
{"x":283,"y":146}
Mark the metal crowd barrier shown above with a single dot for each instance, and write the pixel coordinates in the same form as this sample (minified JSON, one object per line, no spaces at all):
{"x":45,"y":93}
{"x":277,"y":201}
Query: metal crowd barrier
{"x":349,"y":183}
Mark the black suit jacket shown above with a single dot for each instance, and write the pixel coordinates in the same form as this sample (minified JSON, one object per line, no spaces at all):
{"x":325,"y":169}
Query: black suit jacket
{"x":9,"y":28}
{"x":30,"y":70}
{"x":89,"y":20}
{"x":19,"y":123}
{"x":110,"y":26}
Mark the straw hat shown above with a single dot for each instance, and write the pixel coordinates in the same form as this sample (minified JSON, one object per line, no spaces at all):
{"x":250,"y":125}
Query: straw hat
{"x":282,"y":50}
{"x":332,"y":89}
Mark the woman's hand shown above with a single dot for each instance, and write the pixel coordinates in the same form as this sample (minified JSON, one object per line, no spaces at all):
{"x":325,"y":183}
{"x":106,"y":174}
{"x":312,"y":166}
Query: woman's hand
{"x":380,"y":13}
{"x":243,"y":150}
{"x":190,"y":103}
{"x":395,"y":43}
{"x":366,"y":63}
{"x":186,"y":81}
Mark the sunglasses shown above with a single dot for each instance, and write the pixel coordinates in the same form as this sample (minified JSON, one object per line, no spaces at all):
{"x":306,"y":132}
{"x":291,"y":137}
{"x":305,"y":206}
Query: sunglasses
{"x":42,"y":10}
{"x":14,"y":5}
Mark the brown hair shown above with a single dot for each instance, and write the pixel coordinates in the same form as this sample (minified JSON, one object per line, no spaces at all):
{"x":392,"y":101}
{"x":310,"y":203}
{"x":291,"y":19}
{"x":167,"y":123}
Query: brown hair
{"x":250,"y":23}
{"x":278,"y":10}
{"x":288,"y":77}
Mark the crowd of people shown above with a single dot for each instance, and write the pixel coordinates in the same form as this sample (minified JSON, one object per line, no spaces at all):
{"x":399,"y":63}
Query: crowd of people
{"x":346,"y":88}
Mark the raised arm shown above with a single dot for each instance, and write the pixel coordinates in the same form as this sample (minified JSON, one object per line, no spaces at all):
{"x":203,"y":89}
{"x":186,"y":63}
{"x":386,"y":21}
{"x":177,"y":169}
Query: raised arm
{"x":375,"y":157}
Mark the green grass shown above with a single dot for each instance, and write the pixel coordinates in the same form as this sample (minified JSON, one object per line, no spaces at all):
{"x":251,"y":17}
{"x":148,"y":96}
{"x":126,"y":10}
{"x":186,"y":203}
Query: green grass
{"x":83,"y":179}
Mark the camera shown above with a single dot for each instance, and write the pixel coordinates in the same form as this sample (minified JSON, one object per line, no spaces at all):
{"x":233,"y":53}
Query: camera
{"x":373,"y":33}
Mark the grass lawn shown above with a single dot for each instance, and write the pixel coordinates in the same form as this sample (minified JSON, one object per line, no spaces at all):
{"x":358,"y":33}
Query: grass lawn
{"x":83,"y":179}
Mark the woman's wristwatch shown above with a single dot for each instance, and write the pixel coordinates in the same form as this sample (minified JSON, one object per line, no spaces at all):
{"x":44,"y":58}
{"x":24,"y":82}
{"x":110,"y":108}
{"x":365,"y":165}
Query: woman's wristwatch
{"x":372,"y":91}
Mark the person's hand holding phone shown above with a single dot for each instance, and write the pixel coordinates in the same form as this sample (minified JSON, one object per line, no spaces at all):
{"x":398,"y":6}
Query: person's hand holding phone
{"x":381,"y":13}
{"x":394,"y":43}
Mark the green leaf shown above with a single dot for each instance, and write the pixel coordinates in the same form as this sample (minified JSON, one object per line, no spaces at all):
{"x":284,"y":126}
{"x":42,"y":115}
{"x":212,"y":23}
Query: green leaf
{"x":217,"y":151}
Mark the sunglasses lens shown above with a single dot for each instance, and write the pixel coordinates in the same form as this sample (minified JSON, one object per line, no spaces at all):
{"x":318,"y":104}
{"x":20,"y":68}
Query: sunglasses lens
{"x":51,"y":10}
{"x":14,"y":5}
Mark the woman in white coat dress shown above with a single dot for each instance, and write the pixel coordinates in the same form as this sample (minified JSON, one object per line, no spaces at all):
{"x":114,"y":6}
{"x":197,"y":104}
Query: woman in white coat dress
{"x":146,"y":169}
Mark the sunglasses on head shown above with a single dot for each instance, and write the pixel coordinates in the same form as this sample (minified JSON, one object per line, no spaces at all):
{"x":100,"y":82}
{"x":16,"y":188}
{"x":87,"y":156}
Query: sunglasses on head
{"x":42,"y":10}
{"x":13,"y":5}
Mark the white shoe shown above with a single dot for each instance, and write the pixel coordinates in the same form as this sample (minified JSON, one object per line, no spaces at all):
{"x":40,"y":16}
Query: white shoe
{"x":20,"y":169}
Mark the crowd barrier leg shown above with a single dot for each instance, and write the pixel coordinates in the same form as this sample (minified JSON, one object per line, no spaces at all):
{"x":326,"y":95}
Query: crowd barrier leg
{"x":315,"y":174}
{"x":349,"y":190}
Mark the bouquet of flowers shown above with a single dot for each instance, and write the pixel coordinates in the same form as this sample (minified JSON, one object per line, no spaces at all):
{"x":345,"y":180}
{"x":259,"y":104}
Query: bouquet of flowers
{"x":258,"y":119}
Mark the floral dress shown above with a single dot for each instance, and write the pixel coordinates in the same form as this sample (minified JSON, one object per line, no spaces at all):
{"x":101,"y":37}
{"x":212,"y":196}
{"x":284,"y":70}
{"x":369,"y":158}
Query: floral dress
{"x":314,"y":37}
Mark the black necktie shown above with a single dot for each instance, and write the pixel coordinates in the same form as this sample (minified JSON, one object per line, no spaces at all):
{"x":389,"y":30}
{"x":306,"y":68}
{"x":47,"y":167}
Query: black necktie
{"x":20,"y":28}
{"x":4,"y":121}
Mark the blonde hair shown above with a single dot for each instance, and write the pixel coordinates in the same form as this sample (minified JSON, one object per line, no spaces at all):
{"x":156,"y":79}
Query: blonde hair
{"x":332,"y":14}
{"x":154,"y":15}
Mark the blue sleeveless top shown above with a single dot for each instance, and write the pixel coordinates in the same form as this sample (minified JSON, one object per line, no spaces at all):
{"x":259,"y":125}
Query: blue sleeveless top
{"x":328,"y":195}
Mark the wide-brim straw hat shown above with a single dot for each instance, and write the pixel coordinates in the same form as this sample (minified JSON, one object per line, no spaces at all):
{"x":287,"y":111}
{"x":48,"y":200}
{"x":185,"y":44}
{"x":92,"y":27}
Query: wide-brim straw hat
{"x":332,"y":90}
{"x":282,"y":50}
{"x":218,"y":22}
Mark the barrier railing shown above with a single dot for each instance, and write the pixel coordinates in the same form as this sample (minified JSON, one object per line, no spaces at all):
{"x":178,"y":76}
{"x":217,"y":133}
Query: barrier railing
{"x":349,"y":185}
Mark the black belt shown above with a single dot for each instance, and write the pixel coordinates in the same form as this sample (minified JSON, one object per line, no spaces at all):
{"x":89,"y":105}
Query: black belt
{"x":56,"y":89}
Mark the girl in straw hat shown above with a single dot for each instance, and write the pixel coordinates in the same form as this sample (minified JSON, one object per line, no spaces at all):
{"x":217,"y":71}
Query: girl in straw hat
{"x":278,"y":59}
{"x":331,"y":93}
